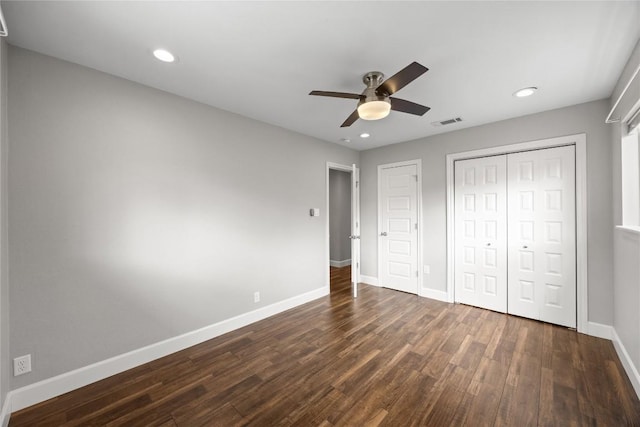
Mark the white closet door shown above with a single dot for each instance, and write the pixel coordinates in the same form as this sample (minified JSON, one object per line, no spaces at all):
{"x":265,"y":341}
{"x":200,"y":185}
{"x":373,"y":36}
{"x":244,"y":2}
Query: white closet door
{"x":398,"y":211}
{"x":542,"y":260}
{"x":481,"y":232}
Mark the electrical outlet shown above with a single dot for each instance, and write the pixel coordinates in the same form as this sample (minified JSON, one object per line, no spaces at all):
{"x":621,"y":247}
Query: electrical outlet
{"x":256,"y":297}
{"x":21,"y":365}
{"x":427,"y":269}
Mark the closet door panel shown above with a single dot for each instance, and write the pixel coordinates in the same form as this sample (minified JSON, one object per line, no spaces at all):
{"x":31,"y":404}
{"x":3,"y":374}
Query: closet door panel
{"x":541,"y":239}
{"x":480,"y":232}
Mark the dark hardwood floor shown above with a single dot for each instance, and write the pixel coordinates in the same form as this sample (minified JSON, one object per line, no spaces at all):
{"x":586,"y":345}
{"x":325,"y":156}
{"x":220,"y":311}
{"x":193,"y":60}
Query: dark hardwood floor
{"x":386,"y":358}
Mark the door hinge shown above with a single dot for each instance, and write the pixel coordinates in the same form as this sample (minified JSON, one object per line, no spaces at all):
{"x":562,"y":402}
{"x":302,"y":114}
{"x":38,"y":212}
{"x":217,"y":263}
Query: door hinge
{"x":416,"y":225}
{"x":416,"y":177}
{"x":417,"y":273}
{"x":357,"y":184}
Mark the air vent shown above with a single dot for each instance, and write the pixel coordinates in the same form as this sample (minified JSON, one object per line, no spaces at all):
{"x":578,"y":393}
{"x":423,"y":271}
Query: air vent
{"x":447,"y":122}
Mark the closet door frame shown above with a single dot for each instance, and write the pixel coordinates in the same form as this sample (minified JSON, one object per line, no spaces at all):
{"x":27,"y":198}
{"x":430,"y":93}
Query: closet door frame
{"x":580,"y":143}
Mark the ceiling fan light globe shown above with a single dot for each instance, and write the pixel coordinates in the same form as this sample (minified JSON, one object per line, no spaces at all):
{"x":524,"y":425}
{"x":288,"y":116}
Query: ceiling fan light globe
{"x":374,"y":110}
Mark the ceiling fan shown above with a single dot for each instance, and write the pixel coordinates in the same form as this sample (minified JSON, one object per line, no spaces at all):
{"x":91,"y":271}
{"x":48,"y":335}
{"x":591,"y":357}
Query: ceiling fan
{"x":376,"y":100}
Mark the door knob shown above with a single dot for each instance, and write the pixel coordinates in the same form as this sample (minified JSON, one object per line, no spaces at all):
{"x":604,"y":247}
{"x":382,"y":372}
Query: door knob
{"x":524,"y":247}
{"x":488,"y":244}
{"x":384,"y":233}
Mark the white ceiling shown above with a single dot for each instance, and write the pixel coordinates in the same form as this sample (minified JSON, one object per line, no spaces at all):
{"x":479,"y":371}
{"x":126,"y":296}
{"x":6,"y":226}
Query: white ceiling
{"x":261,"y":59}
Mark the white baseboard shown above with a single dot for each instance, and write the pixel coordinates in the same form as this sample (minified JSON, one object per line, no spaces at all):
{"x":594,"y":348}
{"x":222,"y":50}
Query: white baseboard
{"x":627,"y":363}
{"x":52,"y":387}
{"x":435,"y":294}
{"x":599,"y":330}
{"x":369,"y":280}
{"x":6,"y":411}
{"x":339,"y":264}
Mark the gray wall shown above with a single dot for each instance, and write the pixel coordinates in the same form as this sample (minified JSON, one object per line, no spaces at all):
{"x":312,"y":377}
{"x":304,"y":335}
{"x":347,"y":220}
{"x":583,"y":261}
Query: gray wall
{"x":339,"y":215}
{"x":136,"y":215}
{"x":627,"y":245}
{"x":585,"y":118}
{"x":5,"y":364}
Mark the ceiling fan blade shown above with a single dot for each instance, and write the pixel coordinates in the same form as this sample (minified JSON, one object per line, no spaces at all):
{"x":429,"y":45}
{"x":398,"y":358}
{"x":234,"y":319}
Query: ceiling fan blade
{"x":401,"y":79}
{"x":351,"y":119}
{"x":335,"y":94}
{"x":405,"y":106}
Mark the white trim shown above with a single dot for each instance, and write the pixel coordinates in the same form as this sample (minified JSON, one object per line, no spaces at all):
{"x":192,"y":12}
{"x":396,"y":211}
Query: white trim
{"x":339,"y":264}
{"x":419,"y":261}
{"x":3,"y":23}
{"x":450,"y":173}
{"x":631,"y":115}
{"x":52,"y":387}
{"x":582,"y":277}
{"x":580,"y":142}
{"x":5,"y":415}
{"x":435,"y":294}
{"x":419,"y":213}
{"x":356,"y":246}
{"x":344,"y":168}
{"x":609,"y":119}
{"x":632,"y":229}
{"x":627,"y":363}
{"x":599,"y":330}
{"x":369,"y":280}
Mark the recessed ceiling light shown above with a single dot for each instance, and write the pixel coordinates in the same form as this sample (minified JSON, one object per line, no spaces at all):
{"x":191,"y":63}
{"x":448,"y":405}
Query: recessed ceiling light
{"x":164,"y":55}
{"x":527,"y":91}
{"x":364,"y":135}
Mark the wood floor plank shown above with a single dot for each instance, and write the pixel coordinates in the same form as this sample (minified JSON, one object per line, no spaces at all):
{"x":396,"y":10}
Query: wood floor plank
{"x":545,"y":414}
{"x":519,"y":404}
{"x":484,"y":406}
{"x":386,"y":358}
{"x":409,"y":408}
{"x":620,"y":385}
{"x":203,"y":408}
{"x":317,"y":410}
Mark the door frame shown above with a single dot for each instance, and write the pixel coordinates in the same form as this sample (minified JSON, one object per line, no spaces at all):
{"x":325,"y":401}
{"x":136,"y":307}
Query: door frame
{"x":418,"y":164}
{"x":343,"y":168}
{"x":580,"y":143}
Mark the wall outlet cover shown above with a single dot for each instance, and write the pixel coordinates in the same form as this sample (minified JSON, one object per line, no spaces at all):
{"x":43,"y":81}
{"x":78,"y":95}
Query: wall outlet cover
{"x":22,"y":365}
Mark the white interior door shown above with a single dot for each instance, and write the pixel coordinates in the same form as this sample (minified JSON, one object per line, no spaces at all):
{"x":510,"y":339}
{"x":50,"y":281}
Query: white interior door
{"x":398,"y":240}
{"x":480,"y":232}
{"x":355,"y":229}
{"x":542,"y":239}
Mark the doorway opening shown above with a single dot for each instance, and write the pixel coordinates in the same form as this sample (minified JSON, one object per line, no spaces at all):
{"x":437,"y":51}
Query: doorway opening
{"x":340,"y":230}
{"x":343,"y":228}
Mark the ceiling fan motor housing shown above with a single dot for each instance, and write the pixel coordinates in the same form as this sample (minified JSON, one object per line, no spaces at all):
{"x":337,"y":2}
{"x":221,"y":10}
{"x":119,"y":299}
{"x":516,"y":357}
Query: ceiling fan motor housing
{"x":373,"y":79}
